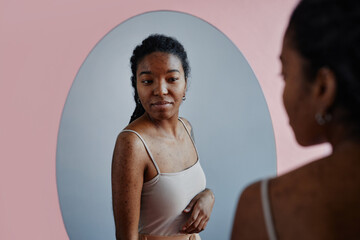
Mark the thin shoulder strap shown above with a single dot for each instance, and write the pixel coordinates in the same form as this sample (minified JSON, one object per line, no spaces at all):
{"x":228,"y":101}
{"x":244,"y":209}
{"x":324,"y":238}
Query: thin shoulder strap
{"x":146,"y":147}
{"x":267,"y":210}
{"x":188,"y":132}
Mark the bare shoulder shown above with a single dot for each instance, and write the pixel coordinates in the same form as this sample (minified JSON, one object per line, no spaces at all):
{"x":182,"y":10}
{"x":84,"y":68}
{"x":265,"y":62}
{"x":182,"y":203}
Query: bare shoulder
{"x":129,"y":150}
{"x":249,"y":220}
{"x":299,"y":199}
{"x":300,"y":180}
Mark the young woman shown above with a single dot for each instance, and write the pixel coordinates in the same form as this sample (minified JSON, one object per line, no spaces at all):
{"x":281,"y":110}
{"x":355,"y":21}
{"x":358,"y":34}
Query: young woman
{"x":157,"y":180}
{"x":321,"y":69}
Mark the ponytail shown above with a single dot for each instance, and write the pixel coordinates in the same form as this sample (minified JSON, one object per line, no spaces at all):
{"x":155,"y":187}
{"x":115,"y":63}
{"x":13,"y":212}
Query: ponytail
{"x":139,"y":109}
{"x":138,"y":112}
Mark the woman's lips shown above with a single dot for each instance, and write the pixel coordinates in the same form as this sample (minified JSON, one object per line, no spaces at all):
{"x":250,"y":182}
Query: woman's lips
{"x":161,"y":104}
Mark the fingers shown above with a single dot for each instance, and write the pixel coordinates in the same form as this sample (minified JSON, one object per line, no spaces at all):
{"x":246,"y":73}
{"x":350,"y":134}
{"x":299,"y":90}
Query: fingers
{"x":198,"y":226}
{"x":190,"y":205}
{"x":196,"y":222}
{"x":202,"y":224}
{"x":205,"y":223}
{"x":200,"y":207}
{"x":191,"y":220}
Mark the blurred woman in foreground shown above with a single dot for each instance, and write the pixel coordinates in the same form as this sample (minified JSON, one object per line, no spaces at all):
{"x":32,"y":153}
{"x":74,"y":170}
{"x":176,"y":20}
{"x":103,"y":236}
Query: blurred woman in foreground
{"x":321,"y":69}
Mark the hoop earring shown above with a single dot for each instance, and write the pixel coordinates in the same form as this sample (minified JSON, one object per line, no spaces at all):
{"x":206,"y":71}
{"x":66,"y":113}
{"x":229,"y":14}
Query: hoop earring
{"x":321,"y":119}
{"x":138,"y":101}
{"x":183,"y":98}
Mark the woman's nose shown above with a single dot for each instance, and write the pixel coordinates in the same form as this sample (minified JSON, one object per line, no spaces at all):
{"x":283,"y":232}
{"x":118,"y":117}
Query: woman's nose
{"x":161,"y":88}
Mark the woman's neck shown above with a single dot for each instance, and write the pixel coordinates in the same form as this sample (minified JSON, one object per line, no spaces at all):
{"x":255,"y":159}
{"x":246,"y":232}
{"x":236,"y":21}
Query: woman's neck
{"x":167,"y":127}
{"x":342,"y":139}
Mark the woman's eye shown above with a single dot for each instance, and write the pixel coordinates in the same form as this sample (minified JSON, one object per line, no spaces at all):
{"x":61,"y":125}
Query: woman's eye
{"x":146,"y":81}
{"x":173,"y":79}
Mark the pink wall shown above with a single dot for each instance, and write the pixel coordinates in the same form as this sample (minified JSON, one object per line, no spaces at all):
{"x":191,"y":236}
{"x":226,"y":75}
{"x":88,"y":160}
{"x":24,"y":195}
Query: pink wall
{"x":42,"y":45}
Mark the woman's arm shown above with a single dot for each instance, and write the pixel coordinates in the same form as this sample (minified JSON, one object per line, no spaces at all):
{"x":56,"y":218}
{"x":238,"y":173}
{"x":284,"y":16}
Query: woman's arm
{"x":200,"y":207}
{"x":127,"y":176}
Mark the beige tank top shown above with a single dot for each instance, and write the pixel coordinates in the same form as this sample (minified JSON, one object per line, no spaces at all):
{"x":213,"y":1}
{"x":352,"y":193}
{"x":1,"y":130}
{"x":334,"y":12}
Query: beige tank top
{"x":164,"y":197}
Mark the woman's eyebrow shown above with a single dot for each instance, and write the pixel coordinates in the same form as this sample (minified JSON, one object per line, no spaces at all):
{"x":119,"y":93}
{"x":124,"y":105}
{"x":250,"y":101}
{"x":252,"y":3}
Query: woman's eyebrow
{"x":144,"y":72}
{"x":173,"y":70}
{"x":149,"y":72}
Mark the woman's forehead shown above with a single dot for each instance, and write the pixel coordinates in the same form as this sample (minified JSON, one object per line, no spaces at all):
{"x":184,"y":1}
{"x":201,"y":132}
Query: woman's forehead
{"x":160,"y":60}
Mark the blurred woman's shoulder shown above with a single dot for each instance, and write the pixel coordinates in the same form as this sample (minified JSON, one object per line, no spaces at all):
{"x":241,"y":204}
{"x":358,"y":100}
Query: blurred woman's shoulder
{"x":314,"y":197}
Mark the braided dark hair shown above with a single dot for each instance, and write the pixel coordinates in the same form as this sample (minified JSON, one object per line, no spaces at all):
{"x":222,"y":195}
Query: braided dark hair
{"x":326,"y":33}
{"x":155,"y":43}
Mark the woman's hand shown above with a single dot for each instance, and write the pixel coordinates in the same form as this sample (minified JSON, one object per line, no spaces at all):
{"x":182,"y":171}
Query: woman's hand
{"x":200,"y":207}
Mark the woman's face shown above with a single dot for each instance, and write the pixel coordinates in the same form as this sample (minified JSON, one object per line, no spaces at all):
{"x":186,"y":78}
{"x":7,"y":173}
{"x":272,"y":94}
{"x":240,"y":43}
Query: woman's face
{"x":297,"y":97}
{"x":161,"y":84}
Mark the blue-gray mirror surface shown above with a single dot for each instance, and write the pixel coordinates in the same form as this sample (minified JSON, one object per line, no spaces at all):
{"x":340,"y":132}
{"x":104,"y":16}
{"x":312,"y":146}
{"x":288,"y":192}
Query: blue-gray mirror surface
{"x":225,"y":105}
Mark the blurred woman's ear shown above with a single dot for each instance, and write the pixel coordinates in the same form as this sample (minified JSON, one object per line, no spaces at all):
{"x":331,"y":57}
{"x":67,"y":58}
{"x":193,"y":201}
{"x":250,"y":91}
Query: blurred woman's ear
{"x":324,"y":89}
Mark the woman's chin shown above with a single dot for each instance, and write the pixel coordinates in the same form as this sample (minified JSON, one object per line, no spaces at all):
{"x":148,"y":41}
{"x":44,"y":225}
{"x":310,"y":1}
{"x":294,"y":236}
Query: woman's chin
{"x":307,"y":141}
{"x":162,"y":115}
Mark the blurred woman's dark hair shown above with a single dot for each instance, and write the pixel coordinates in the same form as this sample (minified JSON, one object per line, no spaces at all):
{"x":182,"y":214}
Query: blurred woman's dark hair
{"x":326,"y":33}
